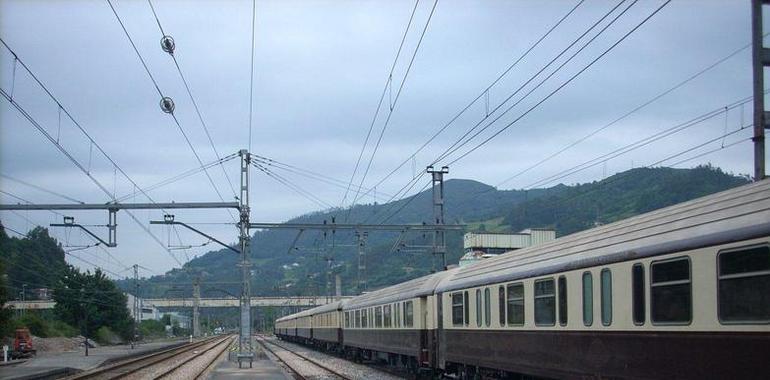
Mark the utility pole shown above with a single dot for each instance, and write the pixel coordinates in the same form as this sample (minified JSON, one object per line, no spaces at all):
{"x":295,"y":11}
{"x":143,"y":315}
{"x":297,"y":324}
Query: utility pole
{"x":244,"y":341}
{"x":196,"y":304}
{"x":760,"y":58}
{"x":137,"y":307}
{"x":439,"y":239}
{"x":362,"y":236}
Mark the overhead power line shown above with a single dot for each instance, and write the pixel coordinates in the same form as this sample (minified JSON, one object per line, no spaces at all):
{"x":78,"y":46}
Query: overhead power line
{"x":72,"y":159}
{"x":379,"y":103}
{"x":176,"y":121}
{"x":480,"y":95}
{"x":627,"y":114}
{"x":398,"y":94}
{"x":194,"y":102}
{"x":560,"y":87}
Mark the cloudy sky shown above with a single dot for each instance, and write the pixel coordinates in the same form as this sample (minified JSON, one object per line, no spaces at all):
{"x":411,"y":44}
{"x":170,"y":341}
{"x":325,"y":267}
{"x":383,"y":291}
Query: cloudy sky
{"x":320,"y":68}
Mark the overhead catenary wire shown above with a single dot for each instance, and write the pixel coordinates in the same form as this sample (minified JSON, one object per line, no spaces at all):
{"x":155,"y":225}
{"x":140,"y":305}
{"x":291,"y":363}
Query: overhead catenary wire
{"x":194,"y":102}
{"x":459,"y":142}
{"x":639,"y":143}
{"x":482,"y":94}
{"x":60,"y":195}
{"x":560,"y":87}
{"x":379,"y":104}
{"x":72,"y":159}
{"x":176,"y":121}
{"x":457,"y":145}
{"x":395,"y":100}
{"x":299,"y":190}
{"x":627,"y":114}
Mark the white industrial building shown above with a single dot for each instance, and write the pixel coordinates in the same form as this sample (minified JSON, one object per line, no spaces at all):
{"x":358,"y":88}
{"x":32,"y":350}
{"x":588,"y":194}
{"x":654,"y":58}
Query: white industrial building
{"x":481,"y":245}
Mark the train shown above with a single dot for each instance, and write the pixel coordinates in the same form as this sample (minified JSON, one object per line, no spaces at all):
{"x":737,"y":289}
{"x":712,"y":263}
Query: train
{"x":682,"y":292}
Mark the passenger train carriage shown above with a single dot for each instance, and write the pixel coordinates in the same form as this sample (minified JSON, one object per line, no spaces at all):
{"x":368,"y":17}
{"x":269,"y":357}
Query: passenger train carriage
{"x":681,"y":292}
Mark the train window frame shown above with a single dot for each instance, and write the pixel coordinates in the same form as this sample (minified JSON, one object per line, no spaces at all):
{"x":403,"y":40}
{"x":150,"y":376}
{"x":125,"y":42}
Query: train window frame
{"x":378,"y":317}
{"x":457,"y":304}
{"x":466,"y":308}
{"x":478,"y":308}
{"x":487,"y":307}
{"x":357,"y":318}
{"x":605,"y":299}
{"x":720,"y":277}
{"x":541,"y":297}
{"x":652,"y":284}
{"x":590,"y":305}
{"x":638,"y":296}
{"x":522,"y":299}
{"x":386,"y":316}
{"x":409,"y":314}
{"x":501,"y":302}
{"x":562,"y":301}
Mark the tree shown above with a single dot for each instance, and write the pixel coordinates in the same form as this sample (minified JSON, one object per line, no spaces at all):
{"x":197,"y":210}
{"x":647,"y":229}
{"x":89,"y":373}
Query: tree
{"x":91,"y":301}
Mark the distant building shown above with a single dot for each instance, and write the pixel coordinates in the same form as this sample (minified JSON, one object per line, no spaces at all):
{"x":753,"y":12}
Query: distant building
{"x":148,"y":312}
{"x":481,"y":245}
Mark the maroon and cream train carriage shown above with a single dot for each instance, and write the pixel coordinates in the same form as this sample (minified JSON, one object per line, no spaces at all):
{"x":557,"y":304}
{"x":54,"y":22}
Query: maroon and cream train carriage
{"x":397,"y":323}
{"x":682,"y":292}
{"x":327,"y":326}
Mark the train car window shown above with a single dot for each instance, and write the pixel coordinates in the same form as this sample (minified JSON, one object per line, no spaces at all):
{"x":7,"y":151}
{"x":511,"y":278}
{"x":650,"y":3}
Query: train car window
{"x":501,"y":304}
{"x":408,"y":314}
{"x":487,"y":307}
{"x":466,"y":307}
{"x":671,"y":291}
{"x":386,"y":316}
{"x":545,"y":303}
{"x":364,"y":319}
{"x":562,"y":300}
{"x":457,"y":309}
{"x":478,"y":307}
{"x":744,"y":285}
{"x":358,"y":318}
{"x":371,"y":317}
{"x":378,"y":316}
{"x":588,"y":299}
{"x":637,"y":294}
{"x":396,"y":319}
{"x":606,"y":288}
{"x":516,"y":304}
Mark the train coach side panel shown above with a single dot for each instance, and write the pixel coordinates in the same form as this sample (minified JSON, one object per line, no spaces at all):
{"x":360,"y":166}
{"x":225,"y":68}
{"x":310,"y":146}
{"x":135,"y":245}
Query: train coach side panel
{"x":397,"y":341}
{"x":679,"y":355}
{"x":330,"y":335}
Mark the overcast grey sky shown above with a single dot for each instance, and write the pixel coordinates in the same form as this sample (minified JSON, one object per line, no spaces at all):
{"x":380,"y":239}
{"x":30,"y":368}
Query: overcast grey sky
{"x":319,"y":69}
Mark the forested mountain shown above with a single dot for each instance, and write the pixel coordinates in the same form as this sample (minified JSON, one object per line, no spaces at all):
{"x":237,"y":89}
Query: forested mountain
{"x":568,"y":209}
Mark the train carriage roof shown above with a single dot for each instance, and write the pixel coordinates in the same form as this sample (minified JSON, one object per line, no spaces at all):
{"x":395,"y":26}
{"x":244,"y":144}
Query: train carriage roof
{"x":733,"y":215}
{"x":410,"y":289}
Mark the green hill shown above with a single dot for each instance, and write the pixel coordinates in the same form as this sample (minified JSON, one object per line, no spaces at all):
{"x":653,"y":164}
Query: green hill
{"x":303,"y":271}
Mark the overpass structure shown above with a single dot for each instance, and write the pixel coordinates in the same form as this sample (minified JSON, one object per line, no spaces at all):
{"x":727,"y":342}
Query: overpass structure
{"x":203,"y":302}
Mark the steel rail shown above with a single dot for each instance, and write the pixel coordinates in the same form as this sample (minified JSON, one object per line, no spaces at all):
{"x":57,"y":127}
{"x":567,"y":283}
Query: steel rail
{"x":264,"y":342}
{"x":127,"y":367}
{"x":224,"y":342}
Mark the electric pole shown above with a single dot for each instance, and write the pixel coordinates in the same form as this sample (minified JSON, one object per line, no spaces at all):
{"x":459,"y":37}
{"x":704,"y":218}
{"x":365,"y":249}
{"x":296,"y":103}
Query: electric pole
{"x":439,"y":239}
{"x":244,"y":341}
{"x":760,"y":59}
{"x":362,"y":235}
{"x":137,"y":307}
{"x":196,"y":304}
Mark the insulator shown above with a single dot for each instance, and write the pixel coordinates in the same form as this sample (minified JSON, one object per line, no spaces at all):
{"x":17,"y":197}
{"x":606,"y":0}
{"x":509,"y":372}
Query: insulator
{"x":167,"y":105}
{"x":167,"y":44}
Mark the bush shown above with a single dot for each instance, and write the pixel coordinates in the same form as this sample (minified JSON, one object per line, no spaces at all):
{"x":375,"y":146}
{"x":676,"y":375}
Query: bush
{"x":59,"y":328}
{"x":105,"y":335}
{"x":37,"y":326}
{"x":152,"y":329}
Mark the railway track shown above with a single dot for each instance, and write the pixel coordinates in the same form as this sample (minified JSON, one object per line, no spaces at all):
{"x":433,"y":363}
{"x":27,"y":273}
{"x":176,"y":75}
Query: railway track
{"x":185,"y":362}
{"x":295,"y":372}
